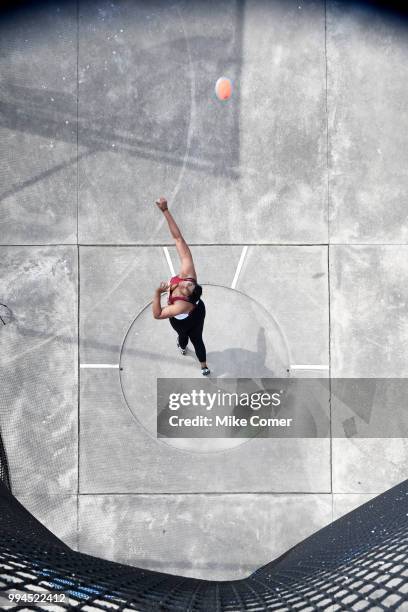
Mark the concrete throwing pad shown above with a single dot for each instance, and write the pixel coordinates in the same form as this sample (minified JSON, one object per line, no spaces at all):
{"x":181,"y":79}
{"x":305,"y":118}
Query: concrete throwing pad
{"x":252,"y":347}
{"x":119,"y":452}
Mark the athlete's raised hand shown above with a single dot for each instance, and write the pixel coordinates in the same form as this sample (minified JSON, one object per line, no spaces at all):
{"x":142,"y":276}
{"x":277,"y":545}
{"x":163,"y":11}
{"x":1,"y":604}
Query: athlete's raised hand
{"x":164,"y":286}
{"x":162,"y":204}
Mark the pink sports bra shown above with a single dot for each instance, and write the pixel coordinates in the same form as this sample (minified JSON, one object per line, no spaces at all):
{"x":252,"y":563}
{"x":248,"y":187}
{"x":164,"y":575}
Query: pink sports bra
{"x":175,"y":280}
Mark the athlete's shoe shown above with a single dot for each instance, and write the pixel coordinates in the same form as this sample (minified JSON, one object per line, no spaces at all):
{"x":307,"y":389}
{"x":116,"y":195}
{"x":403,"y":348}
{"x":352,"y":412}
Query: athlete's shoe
{"x":182,"y":350}
{"x":205,"y":371}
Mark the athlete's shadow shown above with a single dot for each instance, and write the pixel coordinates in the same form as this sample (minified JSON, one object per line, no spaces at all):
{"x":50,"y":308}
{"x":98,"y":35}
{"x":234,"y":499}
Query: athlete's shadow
{"x":304,"y":401}
{"x":244,"y":363}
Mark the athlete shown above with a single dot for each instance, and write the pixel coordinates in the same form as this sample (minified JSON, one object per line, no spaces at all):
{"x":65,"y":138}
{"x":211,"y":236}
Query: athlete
{"x":185,"y":309}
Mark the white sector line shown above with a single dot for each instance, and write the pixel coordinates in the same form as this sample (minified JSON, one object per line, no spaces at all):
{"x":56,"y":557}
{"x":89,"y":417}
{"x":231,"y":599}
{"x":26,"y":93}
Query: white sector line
{"x":101,"y":366}
{"x":239,"y":266}
{"x":296,"y":366}
{"x":168,"y":258}
{"x":98,"y":365}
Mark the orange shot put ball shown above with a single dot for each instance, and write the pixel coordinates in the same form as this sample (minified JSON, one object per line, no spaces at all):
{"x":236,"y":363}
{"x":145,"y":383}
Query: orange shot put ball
{"x":223,"y":88}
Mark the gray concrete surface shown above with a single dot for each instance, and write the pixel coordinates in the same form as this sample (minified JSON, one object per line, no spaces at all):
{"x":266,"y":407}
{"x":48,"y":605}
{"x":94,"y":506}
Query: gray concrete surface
{"x":148,"y":116}
{"x":117,"y":455}
{"x":38,"y":358}
{"x":344,"y":503}
{"x":200,"y":535}
{"x":102,"y":111}
{"x":38,"y":126}
{"x":367,"y":83}
{"x":369,"y":338}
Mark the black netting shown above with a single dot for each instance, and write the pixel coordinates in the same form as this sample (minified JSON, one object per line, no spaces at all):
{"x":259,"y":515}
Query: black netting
{"x":359,"y":562}
{"x":4,"y":469}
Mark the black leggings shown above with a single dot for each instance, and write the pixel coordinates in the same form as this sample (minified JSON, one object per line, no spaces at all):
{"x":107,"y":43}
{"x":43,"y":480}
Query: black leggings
{"x":192,"y":328}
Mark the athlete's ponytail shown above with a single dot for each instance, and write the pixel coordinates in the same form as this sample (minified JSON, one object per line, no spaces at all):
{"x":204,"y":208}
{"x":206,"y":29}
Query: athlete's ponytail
{"x":196,"y":294}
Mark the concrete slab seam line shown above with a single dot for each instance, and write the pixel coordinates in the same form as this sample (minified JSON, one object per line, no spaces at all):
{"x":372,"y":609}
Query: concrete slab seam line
{"x":168,"y":258}
{"x":239,"y":266}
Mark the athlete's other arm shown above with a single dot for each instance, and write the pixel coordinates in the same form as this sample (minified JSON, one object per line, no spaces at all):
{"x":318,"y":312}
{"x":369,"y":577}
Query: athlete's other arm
{"x":166,"y":312}
{"x":186,"y":259}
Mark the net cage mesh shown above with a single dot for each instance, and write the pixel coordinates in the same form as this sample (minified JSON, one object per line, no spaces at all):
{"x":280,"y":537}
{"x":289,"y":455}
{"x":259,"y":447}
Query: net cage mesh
{"x":359,"y":562}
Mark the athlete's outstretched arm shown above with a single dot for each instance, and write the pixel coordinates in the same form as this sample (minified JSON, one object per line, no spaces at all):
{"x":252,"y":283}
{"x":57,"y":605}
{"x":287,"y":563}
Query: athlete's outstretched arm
{"x":186,"y":259}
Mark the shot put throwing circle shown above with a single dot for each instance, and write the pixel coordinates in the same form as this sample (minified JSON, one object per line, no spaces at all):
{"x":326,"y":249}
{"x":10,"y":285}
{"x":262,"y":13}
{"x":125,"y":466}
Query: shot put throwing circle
{"x":243,"y":341}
